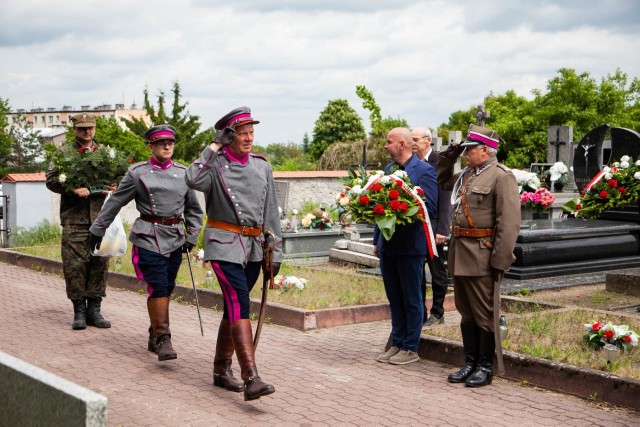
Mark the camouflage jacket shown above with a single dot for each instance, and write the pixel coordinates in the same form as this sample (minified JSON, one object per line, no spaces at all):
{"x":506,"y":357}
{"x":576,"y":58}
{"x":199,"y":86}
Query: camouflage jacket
{"x":74,"y":210}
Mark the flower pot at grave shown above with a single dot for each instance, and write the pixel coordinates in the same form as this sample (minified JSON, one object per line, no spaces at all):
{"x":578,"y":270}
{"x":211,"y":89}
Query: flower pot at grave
{"x":529,"y":214}
{"x":540,"y":215}
{"x":558,"y":186}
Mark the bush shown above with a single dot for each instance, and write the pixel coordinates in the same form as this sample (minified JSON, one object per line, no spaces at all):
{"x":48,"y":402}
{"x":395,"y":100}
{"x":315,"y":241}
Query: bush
{"x":45,"y":233}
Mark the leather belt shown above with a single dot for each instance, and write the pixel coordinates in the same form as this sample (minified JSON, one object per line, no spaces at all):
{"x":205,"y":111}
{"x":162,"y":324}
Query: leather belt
{"x":472,"y":232}
{"x":172,"y":220}
{"x":245,"y":230}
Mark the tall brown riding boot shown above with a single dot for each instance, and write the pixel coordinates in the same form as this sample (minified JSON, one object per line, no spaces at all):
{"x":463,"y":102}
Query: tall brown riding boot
{"x":79,"y":314}
{"x":159,"y":315}
{"x":94,"y":318}
{"x":254,"y":387}
{"x":151,"y":343}
{"x":222,"y":372}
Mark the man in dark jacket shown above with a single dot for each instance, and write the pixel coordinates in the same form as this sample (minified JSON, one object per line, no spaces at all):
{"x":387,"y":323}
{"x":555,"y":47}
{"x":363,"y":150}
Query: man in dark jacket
{"x":423,"y":148}
{"x":402,"y":257}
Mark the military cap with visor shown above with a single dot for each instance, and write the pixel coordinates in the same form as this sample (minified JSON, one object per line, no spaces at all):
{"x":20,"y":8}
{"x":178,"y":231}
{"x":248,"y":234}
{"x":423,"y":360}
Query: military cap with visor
{"x":479,"y":135}
{"x":83,"y":120}
{"x":236,"y":117}
{"x":159,"y":133}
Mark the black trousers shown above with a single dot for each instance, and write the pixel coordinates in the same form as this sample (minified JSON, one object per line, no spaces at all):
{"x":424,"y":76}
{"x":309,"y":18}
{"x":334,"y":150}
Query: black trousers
{"x":439,"y":282}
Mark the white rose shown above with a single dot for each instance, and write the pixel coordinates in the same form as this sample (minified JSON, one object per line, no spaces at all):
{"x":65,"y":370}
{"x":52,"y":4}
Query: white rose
{"x":625,"y":158}
{"x":638,"y":163}
{"x":200,"y":253}
{"x":62,"y":178}
{"x":112,"y":153}
{"x":344,"y":201}
{"x":385,"y":180}
{"x":636,"y":175}
{"x":624,"y":165}
{"x":606,"y":169}
{"x":608,"y":175}
{"x":400,"y":174}
{"x":294,"y":212}
{"x":356,"y":189}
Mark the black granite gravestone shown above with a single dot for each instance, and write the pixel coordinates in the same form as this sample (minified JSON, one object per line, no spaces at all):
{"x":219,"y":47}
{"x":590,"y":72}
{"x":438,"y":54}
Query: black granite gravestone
{"x":588,"y":159}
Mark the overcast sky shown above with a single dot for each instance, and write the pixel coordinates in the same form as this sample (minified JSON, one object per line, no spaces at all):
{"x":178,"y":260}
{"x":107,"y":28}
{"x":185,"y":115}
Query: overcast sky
{"x":286,"y":59}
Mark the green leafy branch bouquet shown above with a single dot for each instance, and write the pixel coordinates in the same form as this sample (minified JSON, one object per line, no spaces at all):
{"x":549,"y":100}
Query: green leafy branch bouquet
{"x":386,"y":200}
{"x":598,"y":334}
{"x":613,"y":187}
{"x":89,"y":167}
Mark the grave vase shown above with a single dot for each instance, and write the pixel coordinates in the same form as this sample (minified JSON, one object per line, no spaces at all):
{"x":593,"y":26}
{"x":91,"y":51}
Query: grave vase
{"x":557,"y":187}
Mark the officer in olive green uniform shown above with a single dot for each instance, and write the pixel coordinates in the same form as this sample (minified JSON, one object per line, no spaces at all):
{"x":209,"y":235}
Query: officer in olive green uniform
{"x":85,"y":275}
{"x":485,"y":226}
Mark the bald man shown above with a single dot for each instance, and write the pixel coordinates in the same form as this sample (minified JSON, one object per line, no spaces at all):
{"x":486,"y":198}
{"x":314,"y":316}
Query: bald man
{"x":402,"y":257}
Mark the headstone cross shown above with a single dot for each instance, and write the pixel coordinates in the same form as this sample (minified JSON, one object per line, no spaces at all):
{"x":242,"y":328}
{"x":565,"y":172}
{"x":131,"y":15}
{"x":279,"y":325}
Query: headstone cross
{"x":557,"y":143}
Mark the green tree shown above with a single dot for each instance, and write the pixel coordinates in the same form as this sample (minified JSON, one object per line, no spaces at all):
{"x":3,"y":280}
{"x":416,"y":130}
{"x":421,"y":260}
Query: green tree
{"x":287,"y":157}
{"x":306,"y":143}
{"x":189,"y":140}
{"x":369,"y":103}
{"x":338,"y":122}
{"x":5,"y":139}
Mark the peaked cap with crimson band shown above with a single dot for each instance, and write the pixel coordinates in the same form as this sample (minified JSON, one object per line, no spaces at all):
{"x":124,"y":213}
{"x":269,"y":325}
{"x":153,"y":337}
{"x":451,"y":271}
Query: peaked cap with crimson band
{"x":478,"y":135}
{"x":159,"y":133}
{"x":236,"y":117}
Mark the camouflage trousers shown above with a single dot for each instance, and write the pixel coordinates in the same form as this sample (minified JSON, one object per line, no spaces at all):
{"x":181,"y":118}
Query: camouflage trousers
{"x":85,"y":275}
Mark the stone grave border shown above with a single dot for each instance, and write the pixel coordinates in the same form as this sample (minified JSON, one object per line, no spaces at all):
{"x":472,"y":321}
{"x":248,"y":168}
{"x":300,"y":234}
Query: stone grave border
{"x":581,"y":382}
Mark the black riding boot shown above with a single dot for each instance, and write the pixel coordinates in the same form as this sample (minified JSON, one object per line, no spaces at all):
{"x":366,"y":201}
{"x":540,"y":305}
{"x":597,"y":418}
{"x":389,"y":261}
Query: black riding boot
{"x":484,"y":374}
{"x":94,"y":318}
{"x":79,"y":314}
{"x":470,"y":344}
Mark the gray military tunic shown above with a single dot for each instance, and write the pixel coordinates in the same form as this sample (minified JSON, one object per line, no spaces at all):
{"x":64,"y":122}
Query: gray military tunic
{"x":159,"y":190}
{"x":238,"y":194}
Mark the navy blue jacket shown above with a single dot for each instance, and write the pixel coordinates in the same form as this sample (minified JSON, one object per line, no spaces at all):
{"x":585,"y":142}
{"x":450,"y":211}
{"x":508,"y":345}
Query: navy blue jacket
{"x":410,"y":239}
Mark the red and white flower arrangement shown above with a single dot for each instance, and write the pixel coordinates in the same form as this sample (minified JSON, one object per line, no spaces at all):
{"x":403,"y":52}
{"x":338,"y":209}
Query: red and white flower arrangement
{"x":600,"y":333}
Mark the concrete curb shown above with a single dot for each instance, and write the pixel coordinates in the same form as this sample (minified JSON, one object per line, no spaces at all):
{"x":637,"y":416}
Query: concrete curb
{"x":582,"y":382}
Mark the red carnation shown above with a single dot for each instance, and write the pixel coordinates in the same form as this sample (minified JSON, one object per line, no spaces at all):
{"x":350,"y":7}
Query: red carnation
{"x":419,"y":191}
{"x":604,"y":194}
{"x":378,"y":209}
{"x":394,"y":194}
{"x":608,"y":334}
{"x":626,"y":338}
{"x":578,"y":207}
{"x":394,"y":205}
{"x":363,"y":200}
{"x":376,"y":188}
{"x":612,"y":183}
{"x":596,"y":326}
{"x":132,"y":160}
{"x":403,"y":207}
{"x":82,"y":149}
{"x":622,"y":190}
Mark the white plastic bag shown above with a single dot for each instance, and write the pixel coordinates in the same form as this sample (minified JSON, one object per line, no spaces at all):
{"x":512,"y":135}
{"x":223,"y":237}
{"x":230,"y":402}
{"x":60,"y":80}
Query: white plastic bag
{"x":114,"y":242}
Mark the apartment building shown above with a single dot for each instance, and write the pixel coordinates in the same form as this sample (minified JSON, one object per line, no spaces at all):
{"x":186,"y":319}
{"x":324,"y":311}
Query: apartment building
{"x":60,"y":117}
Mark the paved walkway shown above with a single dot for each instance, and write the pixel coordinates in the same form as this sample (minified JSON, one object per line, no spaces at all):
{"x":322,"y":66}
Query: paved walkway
{"x":323,"y":377}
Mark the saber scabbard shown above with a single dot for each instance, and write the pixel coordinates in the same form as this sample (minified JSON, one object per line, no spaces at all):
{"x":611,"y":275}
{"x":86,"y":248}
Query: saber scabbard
{"x":267,"y":282}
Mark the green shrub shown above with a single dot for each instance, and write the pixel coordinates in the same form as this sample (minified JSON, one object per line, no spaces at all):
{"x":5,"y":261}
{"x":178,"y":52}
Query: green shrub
{"x":45,"y":233}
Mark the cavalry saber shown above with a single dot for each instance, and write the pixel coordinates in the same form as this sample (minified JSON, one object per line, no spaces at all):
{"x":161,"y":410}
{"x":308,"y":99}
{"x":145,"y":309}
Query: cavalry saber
{"x":267,"y":261}
{"x":496,"y":326}
{"x":195,"y":292}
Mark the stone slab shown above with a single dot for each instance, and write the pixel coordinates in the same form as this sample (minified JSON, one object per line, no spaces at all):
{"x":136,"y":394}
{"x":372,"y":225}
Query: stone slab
{"x":31,"y":396}
{"x":314,"y":243}
{"x":627,"y":282}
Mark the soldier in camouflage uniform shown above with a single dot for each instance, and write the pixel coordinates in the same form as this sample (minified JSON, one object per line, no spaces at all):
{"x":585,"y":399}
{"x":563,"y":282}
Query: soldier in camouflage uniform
{"x":85,"y":275}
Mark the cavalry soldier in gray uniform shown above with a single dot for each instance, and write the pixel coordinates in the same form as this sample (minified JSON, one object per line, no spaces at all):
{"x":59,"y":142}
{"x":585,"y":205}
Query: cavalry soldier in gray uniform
{"x":158,"y":235}
{"x":241,"y":207}
{"x":485,"y":226}
{"x":85,"y":275}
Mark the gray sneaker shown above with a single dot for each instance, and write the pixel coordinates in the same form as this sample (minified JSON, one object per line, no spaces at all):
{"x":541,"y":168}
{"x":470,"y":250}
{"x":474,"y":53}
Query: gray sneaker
{"x":384,"y":357}
{"x":404,"y":357}
{"x":433,"y":320}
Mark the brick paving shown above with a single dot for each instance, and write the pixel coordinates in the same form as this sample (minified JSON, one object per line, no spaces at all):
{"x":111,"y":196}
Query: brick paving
{"x":322,"y":377}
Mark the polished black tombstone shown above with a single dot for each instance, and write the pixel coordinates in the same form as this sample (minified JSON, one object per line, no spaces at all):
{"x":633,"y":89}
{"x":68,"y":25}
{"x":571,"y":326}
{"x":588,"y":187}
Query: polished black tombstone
{"x":588,"y":157}
{"x":562,"y":246}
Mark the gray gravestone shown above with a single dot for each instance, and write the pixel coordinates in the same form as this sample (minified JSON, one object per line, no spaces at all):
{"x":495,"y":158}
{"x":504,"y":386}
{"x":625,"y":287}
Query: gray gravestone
{"x":282,"y":194}
{"x":560,"y":149}
{"x":455,"y":136}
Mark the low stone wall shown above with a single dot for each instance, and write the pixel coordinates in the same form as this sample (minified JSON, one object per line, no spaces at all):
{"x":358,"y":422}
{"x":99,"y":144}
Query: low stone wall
{"x":30,"y":396}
